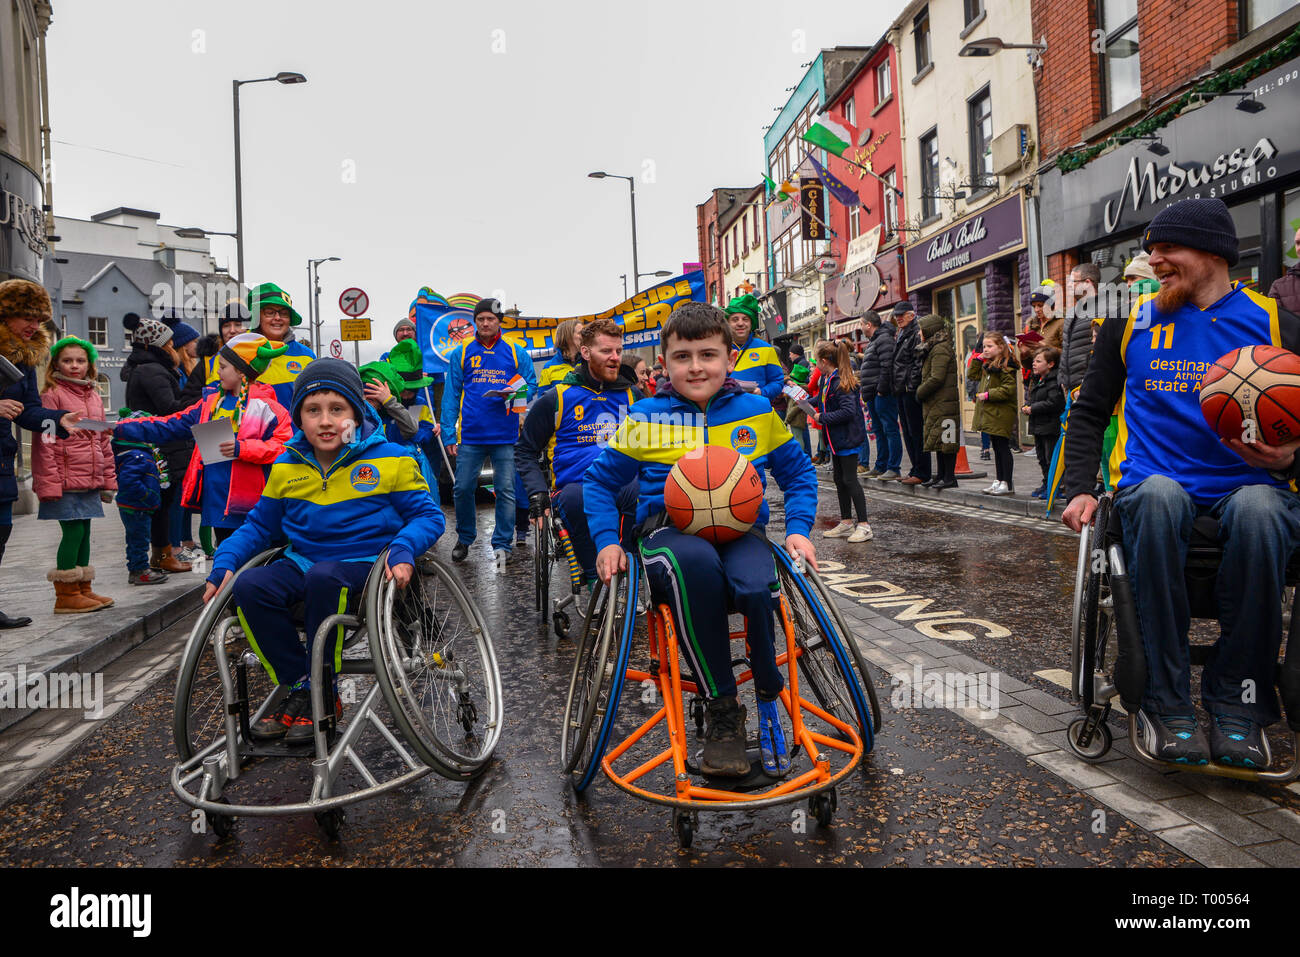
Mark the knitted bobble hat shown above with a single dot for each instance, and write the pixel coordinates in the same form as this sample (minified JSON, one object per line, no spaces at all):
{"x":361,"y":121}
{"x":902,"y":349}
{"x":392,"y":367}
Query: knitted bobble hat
{"x":73,"y":341}
{"x":146,"y":331}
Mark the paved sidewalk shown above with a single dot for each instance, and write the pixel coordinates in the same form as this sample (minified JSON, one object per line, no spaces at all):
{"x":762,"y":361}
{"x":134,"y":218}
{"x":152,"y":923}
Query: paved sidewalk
{"x":1027,"y":477}
{"x":81,"y":643}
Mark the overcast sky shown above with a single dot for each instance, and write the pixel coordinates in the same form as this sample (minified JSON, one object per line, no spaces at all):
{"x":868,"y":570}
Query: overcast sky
{"x":468,"y":128}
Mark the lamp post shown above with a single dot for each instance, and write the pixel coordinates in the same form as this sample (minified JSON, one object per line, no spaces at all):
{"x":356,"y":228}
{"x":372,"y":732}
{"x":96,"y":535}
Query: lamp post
{"x":631,"y":182}
{"x":313,"y":296}
{"x":283,"y":77}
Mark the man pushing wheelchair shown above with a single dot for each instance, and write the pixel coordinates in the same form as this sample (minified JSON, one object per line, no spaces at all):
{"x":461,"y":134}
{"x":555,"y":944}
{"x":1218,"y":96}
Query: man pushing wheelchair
{"x":1171,"y":468}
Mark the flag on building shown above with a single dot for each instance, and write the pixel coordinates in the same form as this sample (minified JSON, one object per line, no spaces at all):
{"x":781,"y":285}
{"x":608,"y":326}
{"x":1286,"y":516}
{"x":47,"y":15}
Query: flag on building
{"x":834,"y":136}
{"x":779,"y":194}
{"x":842,"y":192}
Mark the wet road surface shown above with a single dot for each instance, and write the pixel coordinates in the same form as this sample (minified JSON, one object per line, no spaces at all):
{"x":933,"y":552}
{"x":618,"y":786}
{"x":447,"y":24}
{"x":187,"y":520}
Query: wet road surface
{"x":936,"y":790}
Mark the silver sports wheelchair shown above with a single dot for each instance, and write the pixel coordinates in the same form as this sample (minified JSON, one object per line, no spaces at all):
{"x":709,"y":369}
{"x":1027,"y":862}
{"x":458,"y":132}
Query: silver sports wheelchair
{"x":1105,"y":614}
{"x":421,"y":689}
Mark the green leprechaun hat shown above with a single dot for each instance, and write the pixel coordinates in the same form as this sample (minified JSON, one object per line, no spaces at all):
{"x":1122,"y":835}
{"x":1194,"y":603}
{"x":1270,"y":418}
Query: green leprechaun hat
{"x":408,"y":362}
{"x":385,"y":373}
{"x":746,"y":305}
{"x":269,"y":294}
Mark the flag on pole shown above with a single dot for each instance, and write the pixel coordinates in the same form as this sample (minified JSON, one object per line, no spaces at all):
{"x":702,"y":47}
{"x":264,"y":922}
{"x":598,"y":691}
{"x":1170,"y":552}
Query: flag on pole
{"x":779,"y":194}
{"x":842,"y":192}
{"x":834,"y":136}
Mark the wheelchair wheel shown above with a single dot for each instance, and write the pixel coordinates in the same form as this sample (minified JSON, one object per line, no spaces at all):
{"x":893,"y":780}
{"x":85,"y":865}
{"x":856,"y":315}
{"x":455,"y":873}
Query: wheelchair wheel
{"x":838,"y":679}
{"x":597,"y":678}
{"x":1097,"y":620}
{"x":542,"y":569}
{"x":437,"y":670}
{"x":199,"y":709}
{"x":1097,"y":747}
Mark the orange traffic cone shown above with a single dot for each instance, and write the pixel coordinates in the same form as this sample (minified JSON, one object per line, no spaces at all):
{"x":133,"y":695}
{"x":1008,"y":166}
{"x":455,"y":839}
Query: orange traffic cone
{"x":963,"y":470}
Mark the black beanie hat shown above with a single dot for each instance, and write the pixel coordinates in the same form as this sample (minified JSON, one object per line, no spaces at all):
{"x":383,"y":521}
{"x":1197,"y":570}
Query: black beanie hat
{"x":487,"y":305}
{"x":796,"y":349}
{"x":333,"y":375}
{"x":1203,"y":224}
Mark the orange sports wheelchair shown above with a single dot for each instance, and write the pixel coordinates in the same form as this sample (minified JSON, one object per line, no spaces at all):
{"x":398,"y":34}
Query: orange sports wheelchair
{"x":829,"y":700}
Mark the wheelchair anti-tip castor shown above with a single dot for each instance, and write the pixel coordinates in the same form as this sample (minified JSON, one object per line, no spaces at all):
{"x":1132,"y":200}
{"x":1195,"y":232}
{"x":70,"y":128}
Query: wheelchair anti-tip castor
{"x":220,"y":824}
{"x":331,"y":822}
{"x":562,"y":624}
{"x":684,"y":823}
{"x":1097,"y":747}
{"x":823,"y":807}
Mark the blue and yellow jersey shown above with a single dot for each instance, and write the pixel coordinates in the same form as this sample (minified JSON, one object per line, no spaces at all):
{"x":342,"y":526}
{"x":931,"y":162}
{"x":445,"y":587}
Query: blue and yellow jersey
{"x":584,"y":421}
{"x":371,"y":498}
{"x":1161,"y":430}
{"x":759,"y":363}
{"x":553,"y":374}
{"x":284,"y":369}
{"x":211,"y":374}
{"x":660,"y":430}
{"x":468,"y":413}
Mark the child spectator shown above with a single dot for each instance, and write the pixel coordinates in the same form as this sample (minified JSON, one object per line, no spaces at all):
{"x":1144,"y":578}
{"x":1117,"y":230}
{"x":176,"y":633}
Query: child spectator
{"x":73,"y":476}
{"x":382,"y":387}
{"x":845,"y":431}
{"x":995,"y":410}
{"x":141,"y":473}
{"x":1044,"y":408}
{"x":226,"y":491}
{"x":796,"y":419}
{"x":337,"y":473}
{"x":697,"y":579}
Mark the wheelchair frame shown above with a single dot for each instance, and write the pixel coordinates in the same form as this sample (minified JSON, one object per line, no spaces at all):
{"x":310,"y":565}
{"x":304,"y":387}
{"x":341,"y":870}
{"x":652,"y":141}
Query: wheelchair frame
{"x":552,"y":546}
{"x":1104,"y":605}
{"x":201,"y":776}
{"x":831,"y":756}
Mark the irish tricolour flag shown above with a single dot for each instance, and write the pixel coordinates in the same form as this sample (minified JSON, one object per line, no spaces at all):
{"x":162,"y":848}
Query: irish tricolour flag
{"x":834,"y":136}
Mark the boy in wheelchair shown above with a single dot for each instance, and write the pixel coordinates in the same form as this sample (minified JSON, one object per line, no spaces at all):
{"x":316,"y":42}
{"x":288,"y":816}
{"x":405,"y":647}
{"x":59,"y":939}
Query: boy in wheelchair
{"x":340,"y":494}
{"x":1169,"y":468}
{"x":698,"y":581}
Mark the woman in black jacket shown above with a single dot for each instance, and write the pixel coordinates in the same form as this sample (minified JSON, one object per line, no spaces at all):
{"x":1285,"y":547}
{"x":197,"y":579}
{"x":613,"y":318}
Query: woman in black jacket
{"x":153,"y":386}
{"x":24,"y":345}
{"x":844,"y":432}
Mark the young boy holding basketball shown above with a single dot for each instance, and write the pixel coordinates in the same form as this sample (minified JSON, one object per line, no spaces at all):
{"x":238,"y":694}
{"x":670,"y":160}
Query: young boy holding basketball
{"x":702,"y":406}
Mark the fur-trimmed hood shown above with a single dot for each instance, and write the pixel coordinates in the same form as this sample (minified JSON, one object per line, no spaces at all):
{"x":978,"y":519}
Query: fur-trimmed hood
{"x":24,"y":352}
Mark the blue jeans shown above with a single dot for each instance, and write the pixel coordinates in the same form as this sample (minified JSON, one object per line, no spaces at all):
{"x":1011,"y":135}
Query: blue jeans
{"x":469,"y":460}
{"x":137,"y":525}
{"x":1259,"y":526}
{"x":884,"y":423}
{"x":801,"y":434}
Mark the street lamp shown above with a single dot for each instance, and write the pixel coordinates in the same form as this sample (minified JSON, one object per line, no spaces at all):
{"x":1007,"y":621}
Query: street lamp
{"x":313,"y":293}
{"x":990,"y":46}
{"x":282,"y":77}
{"x":631,"y":182}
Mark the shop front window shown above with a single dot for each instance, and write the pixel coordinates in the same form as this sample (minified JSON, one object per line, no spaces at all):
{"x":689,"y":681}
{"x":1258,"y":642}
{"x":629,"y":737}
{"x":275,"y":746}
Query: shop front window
{"x":1290,"y":228}
{"x":1249,"y":243}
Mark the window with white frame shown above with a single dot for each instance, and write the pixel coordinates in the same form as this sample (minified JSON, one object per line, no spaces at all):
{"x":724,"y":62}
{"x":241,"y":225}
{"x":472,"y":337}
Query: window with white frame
{"x":855,"y":222}
{"x":105,"y":389}
{"x":97,"y":331}
{"x":883,"y":82}
{"x":850,"y":112}
{"x":890,"y":203}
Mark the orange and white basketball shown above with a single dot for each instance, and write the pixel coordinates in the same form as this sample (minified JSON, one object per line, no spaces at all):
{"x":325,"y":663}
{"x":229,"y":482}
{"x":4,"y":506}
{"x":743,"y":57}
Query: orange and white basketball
{"x":1253,"y":392}
{"x":713,"y":492}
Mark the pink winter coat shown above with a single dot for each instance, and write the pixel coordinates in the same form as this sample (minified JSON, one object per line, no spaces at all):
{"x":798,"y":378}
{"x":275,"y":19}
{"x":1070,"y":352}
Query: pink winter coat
{"x":80,"y":463}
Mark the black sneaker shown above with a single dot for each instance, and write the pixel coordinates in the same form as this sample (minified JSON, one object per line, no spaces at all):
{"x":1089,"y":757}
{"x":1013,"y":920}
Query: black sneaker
{"x":300,"y":730}
{"x":1238,"y":741}
{"x":459,"y":552}
{"x":1174,"y":737}
{"x":273,"y":725}
{"x":724,"y":740}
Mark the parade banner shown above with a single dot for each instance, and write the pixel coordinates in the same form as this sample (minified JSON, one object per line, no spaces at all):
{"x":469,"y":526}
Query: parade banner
{"x":442,"y":323}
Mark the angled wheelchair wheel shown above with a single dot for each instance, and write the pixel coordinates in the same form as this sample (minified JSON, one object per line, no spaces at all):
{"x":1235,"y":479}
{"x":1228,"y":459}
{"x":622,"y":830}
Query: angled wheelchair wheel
{"x":837,"y":678}
{"x":542,"y":569}
{"x":437,"y":670}
{"x":199,"y":708}
{"x":1096,"y":611}
{"x":596,"y":683}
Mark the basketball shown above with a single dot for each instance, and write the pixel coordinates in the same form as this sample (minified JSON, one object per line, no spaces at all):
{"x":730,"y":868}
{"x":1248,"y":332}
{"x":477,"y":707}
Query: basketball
{"x":1253,"y":392}
{"x":713,"y":492}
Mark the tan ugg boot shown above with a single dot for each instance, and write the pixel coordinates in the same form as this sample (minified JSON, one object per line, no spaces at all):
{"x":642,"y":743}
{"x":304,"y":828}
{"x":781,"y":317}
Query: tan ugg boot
{"x":88,"y":576}
{"x":170,"y":563}
{"x":67,"y":589}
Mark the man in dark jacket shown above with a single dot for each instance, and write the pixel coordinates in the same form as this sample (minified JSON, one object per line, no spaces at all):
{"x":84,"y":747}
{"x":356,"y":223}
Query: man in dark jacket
{"x":906,"y":377}
{"x":1076,"y":336}
{"x":1286,"y":288}
{"x":1173,"y":469}
{"x":876,"y":377}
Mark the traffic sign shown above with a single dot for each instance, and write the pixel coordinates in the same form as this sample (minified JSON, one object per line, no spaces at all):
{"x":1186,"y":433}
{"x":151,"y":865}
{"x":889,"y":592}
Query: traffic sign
{"x":354,"y":303}
{"x":354,"y":330}
{"x":336,"y":349}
